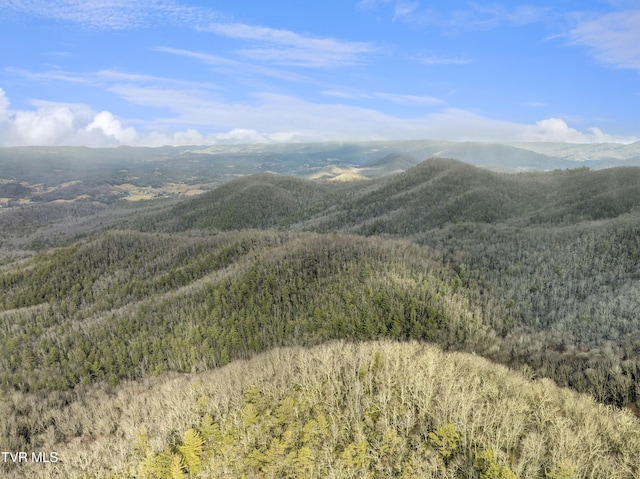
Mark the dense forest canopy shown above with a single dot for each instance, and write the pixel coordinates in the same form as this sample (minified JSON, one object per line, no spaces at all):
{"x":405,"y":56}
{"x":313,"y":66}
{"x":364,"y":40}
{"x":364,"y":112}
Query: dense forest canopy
{"x":537,"y":271}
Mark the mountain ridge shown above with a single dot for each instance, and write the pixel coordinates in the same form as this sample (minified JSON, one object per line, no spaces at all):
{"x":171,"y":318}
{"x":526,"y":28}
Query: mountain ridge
{"x":439,"y":191}
{"x":537,"y":271}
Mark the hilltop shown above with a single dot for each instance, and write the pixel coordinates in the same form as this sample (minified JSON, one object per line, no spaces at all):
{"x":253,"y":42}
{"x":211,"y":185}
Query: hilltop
{"x":432,"y":194}
{"x":378,"y":409}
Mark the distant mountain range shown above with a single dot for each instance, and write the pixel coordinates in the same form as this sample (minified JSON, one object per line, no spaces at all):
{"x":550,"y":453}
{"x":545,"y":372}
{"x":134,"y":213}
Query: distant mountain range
{"x":104,"y":175}
{"x":33,"y":164}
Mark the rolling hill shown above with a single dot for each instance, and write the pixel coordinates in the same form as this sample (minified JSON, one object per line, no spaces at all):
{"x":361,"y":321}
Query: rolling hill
{"x":432,"y":194}
{"x":378,"y":409}
{"x":537,"y":271}
{"x":552,"y":258}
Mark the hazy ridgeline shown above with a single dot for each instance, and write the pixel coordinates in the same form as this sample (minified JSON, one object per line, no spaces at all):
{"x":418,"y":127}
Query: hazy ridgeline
{"x":538,"y":271}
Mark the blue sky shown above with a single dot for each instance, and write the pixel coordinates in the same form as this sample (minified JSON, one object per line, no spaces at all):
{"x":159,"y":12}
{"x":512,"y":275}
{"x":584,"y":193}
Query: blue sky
{"x":158,"y":72}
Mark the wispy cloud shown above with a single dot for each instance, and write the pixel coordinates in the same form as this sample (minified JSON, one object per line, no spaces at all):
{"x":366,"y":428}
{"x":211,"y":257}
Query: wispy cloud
{"x":404,"y":99}
{"x":60,"y":54}
{"x":440,"y":60}
{"x":235,"y":67}
{"x":113,"y":14}
{"x":405,"y":9}
{"x":173,"y":99}
{"x":266,"y":45}
{"x":519,"y":15}
{"x":121,"y":76}
{"x":285,"y":116}
{"x":409,"y":99}
{"x":49,"y":76}
{"x":105,"y":78}
{"x":284,"y":47}
{"x":398,"y":8}
{"x":474,"y":17}
{"x":613,"y":38}
{"x":372,"y":3}
{"x":485,"y":17}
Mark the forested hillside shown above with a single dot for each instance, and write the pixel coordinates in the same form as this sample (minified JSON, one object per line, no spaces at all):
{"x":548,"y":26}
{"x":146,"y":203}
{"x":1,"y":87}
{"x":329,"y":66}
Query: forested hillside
{"x":438,"y":192}
{"x":552,"y":259}
{"x":97,"y":285}
{"x":431,"y":195}
{"x":256,"y":201}
{"x":538,"y":271}
{"x":376,"y":409}
{"x":127,"y":305}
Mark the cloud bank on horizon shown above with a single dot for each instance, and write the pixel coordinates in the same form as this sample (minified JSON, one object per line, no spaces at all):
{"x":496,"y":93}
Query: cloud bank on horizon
{"x":169,"y":72}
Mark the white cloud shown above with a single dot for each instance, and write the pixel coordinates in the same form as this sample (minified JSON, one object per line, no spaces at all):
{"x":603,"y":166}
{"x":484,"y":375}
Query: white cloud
{"x":553,"y":129}
{"x":50,"y":123}
{"x":268,"y":118}
{"x":111,"y":127}
{"x":57,"y":124}
{"x":285,"y":47}
{"x":614,"y":38}
{"x":556,"y":129}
